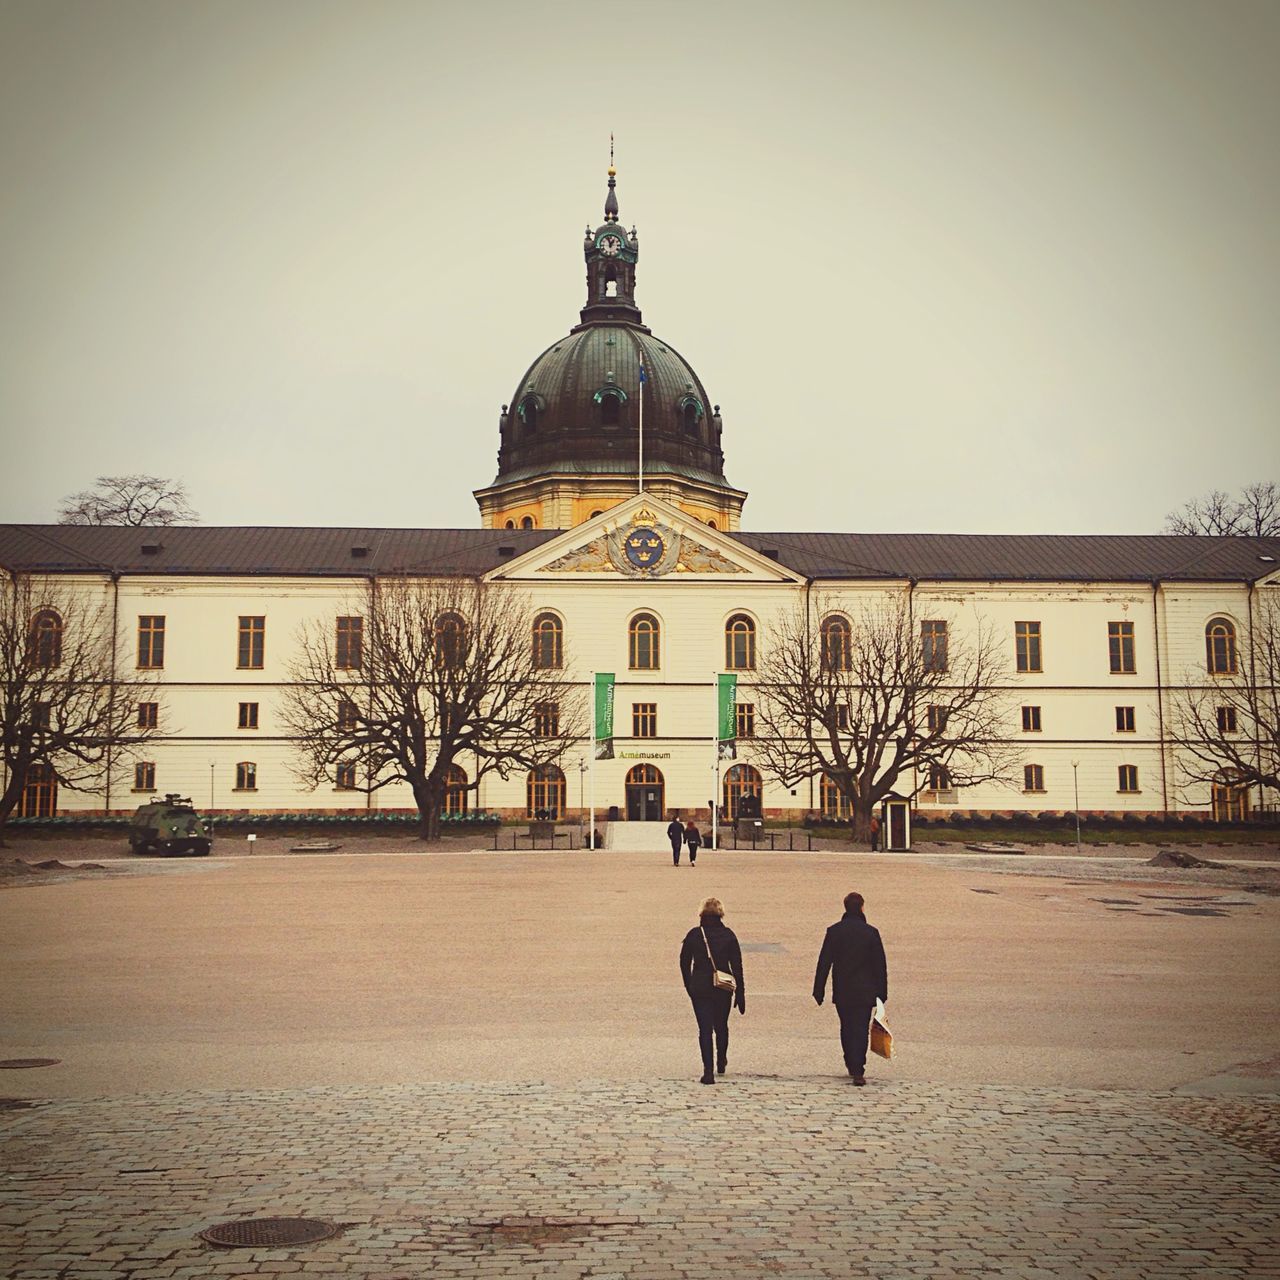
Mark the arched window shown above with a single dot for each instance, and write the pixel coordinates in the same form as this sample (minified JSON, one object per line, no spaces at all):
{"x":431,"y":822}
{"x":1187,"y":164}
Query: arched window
{"x":546,"y":792}
{"x":526,"y":522}
{"x":46,"y":638}
{"x":593,"y":515}
{"x":742,"y":791}
{"x":246,"y":776}
{"x":645,"y":643}
{"x":610,"y":411}
{"x":740,"y":643}
{"x":689,"y":419}
{"x":1220,"y":647}
{"x":451,"y":641}
{"x":40,"y":795}
{"x":529,"y":409}
{"x":511,"y":524}
{"x":711,"y":524}
{"x":835,"y":804}
{"x":455,"y":790}
{"x":837,"y":643}
{"x":548,"y":642}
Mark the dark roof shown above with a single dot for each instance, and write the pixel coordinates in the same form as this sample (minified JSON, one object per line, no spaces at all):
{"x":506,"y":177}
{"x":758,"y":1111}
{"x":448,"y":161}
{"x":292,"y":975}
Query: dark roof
{"x":983,"y":557}
{"x":240,"y":549}
{"x":959,"y":557}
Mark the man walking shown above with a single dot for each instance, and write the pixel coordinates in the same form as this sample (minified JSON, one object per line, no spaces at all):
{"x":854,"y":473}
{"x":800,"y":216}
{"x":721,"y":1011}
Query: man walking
{"x":854,"y":956}
{"x":675,"y":833}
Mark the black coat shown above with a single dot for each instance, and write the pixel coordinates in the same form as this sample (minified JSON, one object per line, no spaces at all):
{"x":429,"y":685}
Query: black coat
{"x":693,"y":838}
{"x":695,"y":968}
{"x":854,"y":955}
{"x":675,"y":833}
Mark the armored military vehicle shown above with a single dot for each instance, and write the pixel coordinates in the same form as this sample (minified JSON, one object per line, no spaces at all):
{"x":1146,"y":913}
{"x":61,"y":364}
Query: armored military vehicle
{"x":169,"y":826}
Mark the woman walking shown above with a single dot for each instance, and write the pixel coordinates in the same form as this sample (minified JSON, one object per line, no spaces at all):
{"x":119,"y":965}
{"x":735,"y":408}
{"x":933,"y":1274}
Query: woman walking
{"x":710,"y":952}
{"x":693,"y":841}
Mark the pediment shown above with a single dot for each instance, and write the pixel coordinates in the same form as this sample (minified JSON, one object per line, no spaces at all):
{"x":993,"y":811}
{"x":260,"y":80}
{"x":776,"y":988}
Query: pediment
{"x":644,"y":538}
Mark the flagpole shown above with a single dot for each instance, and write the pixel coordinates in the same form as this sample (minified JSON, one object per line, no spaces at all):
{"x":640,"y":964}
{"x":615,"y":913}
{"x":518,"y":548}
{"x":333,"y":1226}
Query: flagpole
{"x":591,"y":830}
{"x":715,"y":765}
{"x":640,"y":465}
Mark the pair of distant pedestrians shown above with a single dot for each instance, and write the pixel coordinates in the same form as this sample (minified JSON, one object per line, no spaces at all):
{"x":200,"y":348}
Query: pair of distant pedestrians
{"x":852,"y":955}
{"x":681,"y":837}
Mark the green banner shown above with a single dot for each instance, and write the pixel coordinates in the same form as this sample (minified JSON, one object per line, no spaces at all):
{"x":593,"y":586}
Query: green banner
{"x":728,"y":708}
{"x":604,"y":715}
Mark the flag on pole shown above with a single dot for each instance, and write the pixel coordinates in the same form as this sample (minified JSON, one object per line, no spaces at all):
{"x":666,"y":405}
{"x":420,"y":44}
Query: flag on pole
{"x":727,"y":719}
{"x":604,"y":716}
{"x":642,"y":373}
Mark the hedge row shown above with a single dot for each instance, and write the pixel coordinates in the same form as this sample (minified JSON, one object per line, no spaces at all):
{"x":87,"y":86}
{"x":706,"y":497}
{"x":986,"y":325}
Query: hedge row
{"x":448,"y":821}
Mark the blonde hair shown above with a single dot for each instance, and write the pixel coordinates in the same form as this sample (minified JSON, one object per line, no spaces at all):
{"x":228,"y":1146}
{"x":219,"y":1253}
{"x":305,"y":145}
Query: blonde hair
{"x":712,"y":907}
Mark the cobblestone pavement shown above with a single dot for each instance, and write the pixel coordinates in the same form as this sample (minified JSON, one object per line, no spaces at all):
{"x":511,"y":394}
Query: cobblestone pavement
{"x":665,"y":1179}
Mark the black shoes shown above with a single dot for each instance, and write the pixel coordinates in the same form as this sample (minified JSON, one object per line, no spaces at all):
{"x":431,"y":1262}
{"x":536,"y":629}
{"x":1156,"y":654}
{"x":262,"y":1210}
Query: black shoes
{"x":708,"y":1078}
{"x":721,"y":1065}
{"x":859,"y":1081}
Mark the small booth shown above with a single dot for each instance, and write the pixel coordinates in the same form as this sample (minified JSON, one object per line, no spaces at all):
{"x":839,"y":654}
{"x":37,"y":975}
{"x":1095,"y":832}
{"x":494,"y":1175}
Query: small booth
{"x":895,"y":823}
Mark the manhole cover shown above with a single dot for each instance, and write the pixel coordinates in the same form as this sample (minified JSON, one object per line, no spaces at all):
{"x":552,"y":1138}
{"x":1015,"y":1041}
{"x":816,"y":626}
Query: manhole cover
{"x":268,"y":1233}
{"x":20,"y":1064}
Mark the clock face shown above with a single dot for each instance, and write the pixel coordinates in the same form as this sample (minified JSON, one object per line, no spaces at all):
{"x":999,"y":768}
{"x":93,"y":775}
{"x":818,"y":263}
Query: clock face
{"x":610,"y":246}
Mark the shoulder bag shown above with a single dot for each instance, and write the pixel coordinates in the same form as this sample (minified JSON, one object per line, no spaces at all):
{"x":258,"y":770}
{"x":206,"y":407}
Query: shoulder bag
{"x":719,"y":979}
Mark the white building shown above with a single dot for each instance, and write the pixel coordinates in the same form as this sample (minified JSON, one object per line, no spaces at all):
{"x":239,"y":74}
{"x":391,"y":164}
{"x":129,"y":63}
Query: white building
{"x":1101,"y":631}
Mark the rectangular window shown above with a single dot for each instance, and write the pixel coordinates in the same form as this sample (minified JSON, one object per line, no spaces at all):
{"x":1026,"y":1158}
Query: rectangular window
{"x":348,"y":649}
{"x":144,"y":776}
{"x":1226,"y":720}
{"x":939,"y":778}
{"x":1033,"y":777}
{"x":148,"y":715}
{"x":936,"y":719}
{"x":744,"y":719}
{"x":644,"y":719}
{"x":1124,"y":720}
{"x":1120,"y":648}
{"x":842,"y":718}
{"x":1027,"y":645}
{"x":345,"y":777}
{"x":252,"y":643}
{"x":1030,"y":719}
{"x":248,"y":715}
{"x":933,"y":644}
{"x":41,"y":715}
{"x":348,"y":717}
{"x":546,"y":719}
{"x":1128,"y":777}
{"x":151,"y":642}
{"x":246,"y":776}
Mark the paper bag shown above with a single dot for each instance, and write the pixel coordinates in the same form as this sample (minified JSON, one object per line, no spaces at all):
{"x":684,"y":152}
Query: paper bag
{"x":881,"y":1039}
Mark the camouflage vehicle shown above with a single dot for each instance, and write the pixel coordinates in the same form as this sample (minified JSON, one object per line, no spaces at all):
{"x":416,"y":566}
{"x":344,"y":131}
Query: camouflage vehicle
{"x":169,"y":826}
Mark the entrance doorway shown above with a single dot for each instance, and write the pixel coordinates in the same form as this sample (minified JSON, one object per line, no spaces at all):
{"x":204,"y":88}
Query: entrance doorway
{"x":743,"y":788}
{"x":40,"y":795}
{"x":645,"y":794}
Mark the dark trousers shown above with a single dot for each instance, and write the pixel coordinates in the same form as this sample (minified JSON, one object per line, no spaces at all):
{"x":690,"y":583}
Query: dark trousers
{"x":855,"y":1026}
{"x":677,"y":843}
{"x":693,"y":852}
{"x":712,"y":1013}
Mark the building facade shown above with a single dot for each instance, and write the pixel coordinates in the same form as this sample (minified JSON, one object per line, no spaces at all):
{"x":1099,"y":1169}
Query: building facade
{"x":649,"y":576}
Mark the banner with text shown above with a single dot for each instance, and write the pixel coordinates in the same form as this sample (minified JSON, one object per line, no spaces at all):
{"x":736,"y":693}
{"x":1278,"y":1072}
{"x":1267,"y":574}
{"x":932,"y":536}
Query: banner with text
{"x":604,"y":715}
{"x":727,"y":720}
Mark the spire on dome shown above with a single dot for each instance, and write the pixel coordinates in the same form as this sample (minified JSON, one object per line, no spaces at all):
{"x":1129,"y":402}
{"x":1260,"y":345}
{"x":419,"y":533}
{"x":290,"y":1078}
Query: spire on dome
{"x":611,"y":200}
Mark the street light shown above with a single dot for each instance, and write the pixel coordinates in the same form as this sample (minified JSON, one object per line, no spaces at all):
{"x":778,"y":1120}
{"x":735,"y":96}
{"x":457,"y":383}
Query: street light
{"x":1075,"y":774}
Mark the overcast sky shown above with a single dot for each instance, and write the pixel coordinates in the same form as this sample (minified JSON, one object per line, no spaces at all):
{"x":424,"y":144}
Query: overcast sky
{"x":979,"y":267}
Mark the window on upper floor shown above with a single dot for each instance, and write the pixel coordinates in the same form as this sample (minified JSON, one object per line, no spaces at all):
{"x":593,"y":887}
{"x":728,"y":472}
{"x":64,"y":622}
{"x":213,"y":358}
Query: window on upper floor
{"x":46,"y":639}
{"x":151,"y":642}
{"x":251,"y":643}
{"x":1220,"y":647}
{"x":248,"y":716}
{"x":936,"y":719}
{"x":345,"y":777}
{"x":1127,"y":777}
{"x":1227,"y":720}
{"x":148,"y":715}
{"x":836,"y":642}
{"x":1120,"y":648}
{"x":933,"y":645}
{"x":526,"y":522}
{"x":740,"y":643}
{"x":348,"y":716}
{"x":744,"y":719}
{"x":546,"y":719}
{"x":1026,"y":640}
{"x":1125,"y":720}
{"x":451,"y":641}
{"x":348,"y":649}
{"x":644,"y":719}
{"x":548,"y":642}
{"x":939,"y":778}
{"x":644,"y":643}
{"x":1030,"y":719}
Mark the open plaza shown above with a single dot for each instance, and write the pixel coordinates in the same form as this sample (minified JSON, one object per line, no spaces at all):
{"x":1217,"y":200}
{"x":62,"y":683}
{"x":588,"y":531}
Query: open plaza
{"x":484,"y":1064}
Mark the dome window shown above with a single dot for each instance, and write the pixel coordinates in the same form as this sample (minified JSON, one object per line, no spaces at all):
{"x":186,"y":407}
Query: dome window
{"x":610,"y":398}
{"x":529,"y":409}
{"x":690,"y":412}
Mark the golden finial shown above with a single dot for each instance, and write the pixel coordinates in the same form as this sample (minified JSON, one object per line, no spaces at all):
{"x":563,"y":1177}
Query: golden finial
{"x":612,"y":171}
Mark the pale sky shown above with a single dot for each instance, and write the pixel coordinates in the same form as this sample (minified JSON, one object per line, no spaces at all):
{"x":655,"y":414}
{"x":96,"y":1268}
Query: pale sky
{"x":974,"y":267}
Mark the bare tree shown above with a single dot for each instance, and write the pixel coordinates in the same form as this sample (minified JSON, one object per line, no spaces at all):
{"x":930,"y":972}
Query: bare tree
{"x":1228,"y":731}
{"x":1254,"y":514}
{"x":877,"y":703}
{"x":133,"y":500}
{"x":446,"y":674}
{"x":68,"y":713}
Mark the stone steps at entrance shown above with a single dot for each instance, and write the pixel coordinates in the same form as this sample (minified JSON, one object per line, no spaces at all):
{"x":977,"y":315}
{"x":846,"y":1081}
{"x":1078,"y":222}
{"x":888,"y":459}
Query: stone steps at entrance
{"x":636,"y":837}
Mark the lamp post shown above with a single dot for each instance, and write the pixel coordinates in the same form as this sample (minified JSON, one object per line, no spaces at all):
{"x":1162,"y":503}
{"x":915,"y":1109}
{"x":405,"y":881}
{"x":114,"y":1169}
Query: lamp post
{"x":211,"y":769}
{"x":582,"y":797}
{"x":1075,"y":775}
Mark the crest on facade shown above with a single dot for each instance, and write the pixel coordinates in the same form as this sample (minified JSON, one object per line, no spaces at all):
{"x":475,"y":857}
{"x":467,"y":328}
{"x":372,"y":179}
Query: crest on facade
{"x":644,"y":547}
